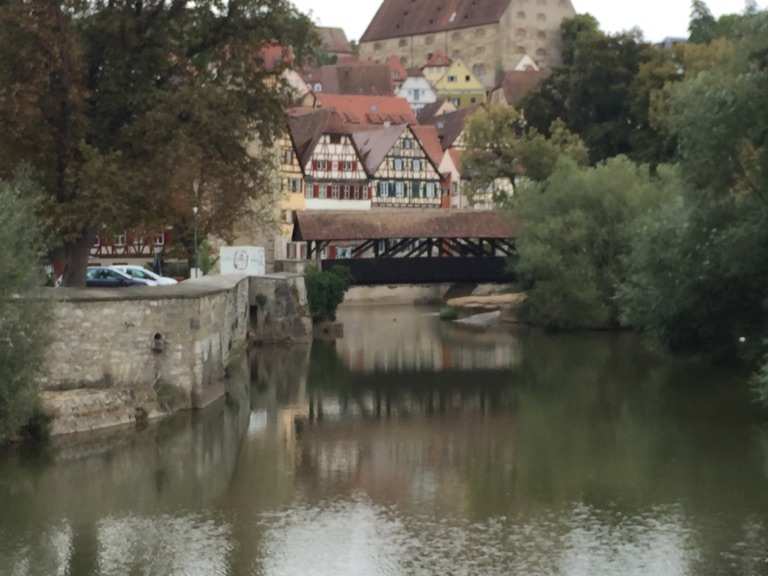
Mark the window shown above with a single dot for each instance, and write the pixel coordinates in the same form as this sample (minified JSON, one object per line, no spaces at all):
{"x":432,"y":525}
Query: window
{"x":541,"y":17}
{"x":378,"y":45}
{"x":451,"y":78}
{"x":521,"y":32}
{"x":480,"y":32}
{"x":316,"y":191}
{"x":542,"y":35}
{"x":335,"y":139}
{"x":456,"y":36}
{"x":403,"y":42}
{"x":479,"y":70}
{"x":400,"y":189}
{"x":398,"y":164}
{"x":417,"y":165}
{"x":328,"y":191}
{"x":329,"y":165}
{"x":416,"y":94}
{"x":429,"y":40}
{"x":521,"y":15}
{"x":480,"y":50}
{"x":467,"y":78}
{"x":295,"y":185}
{"x":315,"y":165}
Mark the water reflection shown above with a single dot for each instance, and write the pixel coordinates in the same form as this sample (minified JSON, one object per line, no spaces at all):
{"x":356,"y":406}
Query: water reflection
{"x":568,"y":456}
{"x":402,"y":339}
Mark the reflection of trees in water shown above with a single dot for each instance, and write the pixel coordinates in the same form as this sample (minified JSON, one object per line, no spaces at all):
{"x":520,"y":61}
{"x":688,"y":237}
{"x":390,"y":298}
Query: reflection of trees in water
{"x":188,"y":459}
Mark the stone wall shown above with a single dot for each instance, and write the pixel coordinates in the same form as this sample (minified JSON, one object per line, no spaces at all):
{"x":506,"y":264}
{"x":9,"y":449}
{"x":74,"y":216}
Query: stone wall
{"x":122,"y":356}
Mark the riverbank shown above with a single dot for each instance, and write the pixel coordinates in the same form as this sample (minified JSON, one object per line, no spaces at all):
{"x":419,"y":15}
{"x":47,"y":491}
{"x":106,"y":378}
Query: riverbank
{"x":126,"y":356}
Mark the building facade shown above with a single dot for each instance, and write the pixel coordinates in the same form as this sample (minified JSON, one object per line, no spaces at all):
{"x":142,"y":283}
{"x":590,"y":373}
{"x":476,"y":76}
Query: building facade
{"x":460,"y":87}
{"x":406,"y":177}
{"x":418,"y":92}
{"x":488,"y":35}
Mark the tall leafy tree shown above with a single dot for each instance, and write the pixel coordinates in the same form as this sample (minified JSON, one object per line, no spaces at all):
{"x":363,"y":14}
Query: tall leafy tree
{"x":501,"y":147}
{"x":122,"y":105}
{"x":591,"y":91}
{"x":703,"y":25}
{"x":700,"y":266}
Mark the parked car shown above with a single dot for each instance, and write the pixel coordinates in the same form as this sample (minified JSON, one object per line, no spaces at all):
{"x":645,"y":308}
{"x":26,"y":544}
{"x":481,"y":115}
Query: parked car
{"x":139,"y":273}
{"x":100,"y":277}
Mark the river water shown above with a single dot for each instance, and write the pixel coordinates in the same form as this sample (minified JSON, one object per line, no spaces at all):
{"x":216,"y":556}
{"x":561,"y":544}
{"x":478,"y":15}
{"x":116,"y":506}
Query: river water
{"x":413,"y":447}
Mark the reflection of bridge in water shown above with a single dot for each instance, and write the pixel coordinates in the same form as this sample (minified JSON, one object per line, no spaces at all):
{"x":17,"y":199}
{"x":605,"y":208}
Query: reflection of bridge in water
{"x":407,"y":339}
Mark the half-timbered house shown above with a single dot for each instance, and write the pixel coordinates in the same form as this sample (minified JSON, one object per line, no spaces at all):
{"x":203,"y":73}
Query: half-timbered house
{"x":402,"y":172}
{"x":334,"y":175}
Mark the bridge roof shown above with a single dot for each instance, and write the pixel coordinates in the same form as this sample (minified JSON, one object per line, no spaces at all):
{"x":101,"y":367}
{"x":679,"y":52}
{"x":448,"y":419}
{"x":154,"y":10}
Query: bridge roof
{"x":405,"y":223}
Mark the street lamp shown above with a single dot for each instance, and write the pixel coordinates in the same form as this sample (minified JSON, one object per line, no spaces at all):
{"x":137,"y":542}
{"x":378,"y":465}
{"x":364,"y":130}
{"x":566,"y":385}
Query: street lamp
{"x":195,"y":210}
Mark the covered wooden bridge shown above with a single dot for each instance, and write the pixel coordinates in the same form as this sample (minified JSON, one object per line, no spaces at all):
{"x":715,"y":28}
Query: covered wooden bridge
{"x":411,"y":246}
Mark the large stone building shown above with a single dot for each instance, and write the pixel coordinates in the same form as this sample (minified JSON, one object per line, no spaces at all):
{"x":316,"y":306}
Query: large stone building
{"x":490,"y":36}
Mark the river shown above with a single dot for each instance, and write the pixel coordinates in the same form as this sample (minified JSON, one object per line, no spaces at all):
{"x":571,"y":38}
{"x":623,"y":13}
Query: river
{"x":414,"y":447}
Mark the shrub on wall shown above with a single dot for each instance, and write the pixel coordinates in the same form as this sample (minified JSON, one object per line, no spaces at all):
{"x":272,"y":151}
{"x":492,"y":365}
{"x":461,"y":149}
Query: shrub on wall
{"x":326,"y":290}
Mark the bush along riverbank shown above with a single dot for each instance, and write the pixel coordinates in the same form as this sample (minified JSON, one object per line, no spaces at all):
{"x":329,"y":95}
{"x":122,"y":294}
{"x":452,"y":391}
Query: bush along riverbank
{"x":22,"y":322}
{"x":670,"y":240}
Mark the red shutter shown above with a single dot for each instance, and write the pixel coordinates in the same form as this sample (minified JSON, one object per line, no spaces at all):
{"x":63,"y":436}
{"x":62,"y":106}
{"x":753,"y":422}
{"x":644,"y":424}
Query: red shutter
{"x":316,"y":191}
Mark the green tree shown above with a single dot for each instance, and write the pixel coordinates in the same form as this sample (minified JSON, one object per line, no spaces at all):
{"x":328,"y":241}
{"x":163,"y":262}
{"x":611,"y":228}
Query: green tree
{"x":703,"y":25}
{"x":699,"y":266}
{"x":591,"y":91}
{"x":501,"y":147}
{"x":22,"y":322}
{"x":121,"y":106}
{"x":326,"y":290}
{"x":577,"y":235}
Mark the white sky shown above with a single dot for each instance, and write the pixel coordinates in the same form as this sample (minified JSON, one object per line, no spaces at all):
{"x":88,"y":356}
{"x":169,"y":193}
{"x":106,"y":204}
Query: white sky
{"x":657,"y":18}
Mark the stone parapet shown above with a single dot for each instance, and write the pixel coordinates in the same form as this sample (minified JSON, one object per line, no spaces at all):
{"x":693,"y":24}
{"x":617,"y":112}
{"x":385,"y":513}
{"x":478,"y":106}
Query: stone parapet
{"x":123,"y":356}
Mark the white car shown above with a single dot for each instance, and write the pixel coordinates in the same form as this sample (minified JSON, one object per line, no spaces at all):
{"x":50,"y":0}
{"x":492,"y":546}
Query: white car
{"x":140,"y":273}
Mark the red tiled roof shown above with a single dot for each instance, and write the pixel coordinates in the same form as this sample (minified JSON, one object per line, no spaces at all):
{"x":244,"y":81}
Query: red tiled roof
{"x":438,"y":60}
{"x":517,"y":85}
{"x":354,"y":77}
{"x":430,"y":142}
{"x":397,"y":18}
{"x":399,"y":73}
{"x":369,"y":109}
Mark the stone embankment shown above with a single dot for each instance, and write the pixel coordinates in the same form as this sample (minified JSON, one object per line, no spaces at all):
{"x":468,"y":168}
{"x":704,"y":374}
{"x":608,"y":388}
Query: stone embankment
{"x":123,"y":356}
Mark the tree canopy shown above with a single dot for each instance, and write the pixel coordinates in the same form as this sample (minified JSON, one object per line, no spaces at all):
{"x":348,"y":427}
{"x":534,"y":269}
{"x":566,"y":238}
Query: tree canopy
{"x":120,"y":106}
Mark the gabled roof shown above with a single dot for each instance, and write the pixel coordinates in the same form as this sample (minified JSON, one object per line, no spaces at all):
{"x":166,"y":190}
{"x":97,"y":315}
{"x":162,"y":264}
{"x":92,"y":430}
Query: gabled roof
{"x":334,"y":40}
{"x":438,"y":60}
{"x":399,"y":72}
{"x":374,"y":145}
{"x":369,"y":110}
{"x":308,"y":126}
{"x":430,"y":143}
{"x":517,"y":85}
{"x":352,"y":78}
{"x":397,"y":18}
{"x":430,"y":111}
{"x":450,"y":126}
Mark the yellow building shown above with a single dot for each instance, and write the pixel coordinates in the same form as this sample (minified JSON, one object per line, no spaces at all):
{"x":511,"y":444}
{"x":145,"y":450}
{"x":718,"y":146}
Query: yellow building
{"x":459,"y":86}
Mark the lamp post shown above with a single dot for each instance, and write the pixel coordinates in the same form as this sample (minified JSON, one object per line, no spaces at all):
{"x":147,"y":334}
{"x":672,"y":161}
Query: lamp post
{"x":195,"y":210}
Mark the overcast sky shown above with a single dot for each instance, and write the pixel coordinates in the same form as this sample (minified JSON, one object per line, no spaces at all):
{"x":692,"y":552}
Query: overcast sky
{"x":657,"y":18}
